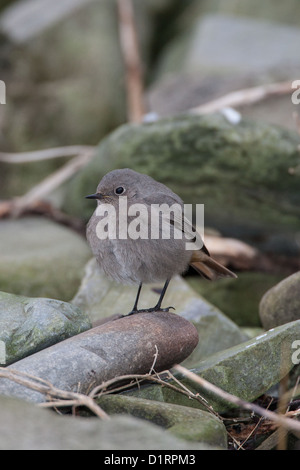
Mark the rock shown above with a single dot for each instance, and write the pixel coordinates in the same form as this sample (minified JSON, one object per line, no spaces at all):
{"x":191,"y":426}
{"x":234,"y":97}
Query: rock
{"x":4,"y":3}
{"x":15,"y":20}
{"x":266,"y":45}
{"x":194,"y":69}
{"x":281,"y":304}
{"x":98,"y":294}
{"x":57,"y":107}
{"x":57,"y":87}
{"x":246,"y":371}
{"x":267,"y":10}
{"x":29,"y":325}
{"x":181,"y":421}
{"x":40,"y":258}
{"x":249,"y":163}
{"x":44,"y":430}
{"x":239,"y":300}
{"x":129,"y":345}
{"x":73,"y":91}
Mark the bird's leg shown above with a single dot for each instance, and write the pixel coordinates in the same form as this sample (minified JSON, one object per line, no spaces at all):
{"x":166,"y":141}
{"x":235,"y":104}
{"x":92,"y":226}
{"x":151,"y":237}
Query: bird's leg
{"x":157,"y":307}
{"x":135,"y":307}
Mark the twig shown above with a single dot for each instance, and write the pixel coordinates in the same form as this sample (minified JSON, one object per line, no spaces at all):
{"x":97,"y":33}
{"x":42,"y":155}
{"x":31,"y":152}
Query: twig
{"x":103,"y":389}
{"x":50,"y":183}
{"x":287,"y":423}
{"x":154,"y":361}
{"x":132,"y":61}
{"x":47,"y":389}
{"x":47,"y":154}
{"x":244,"y":97}
{"x":294,"y":392}
{"x":282,"y":409}
{"x":255,"y":427}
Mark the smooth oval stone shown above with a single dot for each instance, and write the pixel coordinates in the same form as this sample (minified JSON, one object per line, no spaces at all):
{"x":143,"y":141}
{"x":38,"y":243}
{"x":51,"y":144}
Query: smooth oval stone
{"x":129,"y":345}
{"x":281,"y":304}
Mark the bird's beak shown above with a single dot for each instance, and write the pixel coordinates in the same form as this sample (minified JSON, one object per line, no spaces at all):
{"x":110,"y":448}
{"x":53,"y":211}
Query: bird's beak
{"x":95,"y":196}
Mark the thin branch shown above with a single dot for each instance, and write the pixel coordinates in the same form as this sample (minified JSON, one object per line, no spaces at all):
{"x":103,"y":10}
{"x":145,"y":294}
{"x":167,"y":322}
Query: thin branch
{"x":104,"y":388}
{"x":47,"y":389}
{"x":244,"y":97}
{"x":47,"y":154}
{"x":282,"y":409}
{"x":254,"y":429}
{"x":49,"y":184}
{"x":132,"y":61}
{"x":280,"y":420}
{"x":154,"y":360}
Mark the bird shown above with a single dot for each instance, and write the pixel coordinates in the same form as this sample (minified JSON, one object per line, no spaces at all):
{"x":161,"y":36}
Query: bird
{"x":145,"y":259}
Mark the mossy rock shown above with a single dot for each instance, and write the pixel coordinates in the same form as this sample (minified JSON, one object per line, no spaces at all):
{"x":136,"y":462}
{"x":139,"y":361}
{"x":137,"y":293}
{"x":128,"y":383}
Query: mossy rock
{"x":40,"y":258}
{"x":247,"y":371}
{"x":28,"y":325}
{"x":185,"y":423}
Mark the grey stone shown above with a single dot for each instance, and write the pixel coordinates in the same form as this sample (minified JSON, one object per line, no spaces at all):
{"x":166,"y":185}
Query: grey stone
{"x":40,"y":258}
{"x":97,"y":295}
{"x":74,"y":92}
{"x":24,"y":20}
{"x":183,"y":422}
{"x":246,"y":371}
{"x":57,"y":91}
{"x":275,"y":12}
{"x":281,"y":304}
{"x":266,"y":46}
{"x":219,"y":43}
{"x":217,"y":54}
{"x":23,"y":426}
{"x":130,"y":345}
{"x":28,"y":325}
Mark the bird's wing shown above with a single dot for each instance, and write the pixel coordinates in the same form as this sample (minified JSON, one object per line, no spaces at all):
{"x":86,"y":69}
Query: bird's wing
{"x":201,"y":260}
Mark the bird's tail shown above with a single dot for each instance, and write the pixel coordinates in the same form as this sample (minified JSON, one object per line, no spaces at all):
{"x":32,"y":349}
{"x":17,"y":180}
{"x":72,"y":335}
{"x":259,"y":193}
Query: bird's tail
{"x":208,"y":267}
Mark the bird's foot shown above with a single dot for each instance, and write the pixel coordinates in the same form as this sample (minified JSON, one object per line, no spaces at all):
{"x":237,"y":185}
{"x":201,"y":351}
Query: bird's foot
{"x":150,"y":310}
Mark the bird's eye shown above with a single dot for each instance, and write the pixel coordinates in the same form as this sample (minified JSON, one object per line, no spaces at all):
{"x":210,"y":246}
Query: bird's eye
{"x":120,"y":190}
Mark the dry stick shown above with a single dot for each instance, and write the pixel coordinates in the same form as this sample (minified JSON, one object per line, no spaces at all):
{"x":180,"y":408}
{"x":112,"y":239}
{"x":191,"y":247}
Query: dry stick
{"x":245,"y":97}
{"x":47,"y":389}
{"x":101,"y":389}
{"x":154,"y":360}
{"x":132,"y":61}
{"x":282,"y":409}
{"x":47,"y":154}
{"x":296,"y":387}
{"x":287,"y":423}
{"x":254,"y":429}
{"x":51,"y":182}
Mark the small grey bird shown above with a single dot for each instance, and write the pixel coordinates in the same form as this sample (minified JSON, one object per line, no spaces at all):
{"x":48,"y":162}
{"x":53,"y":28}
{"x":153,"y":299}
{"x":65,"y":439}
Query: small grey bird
{"x":131,"y":260}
